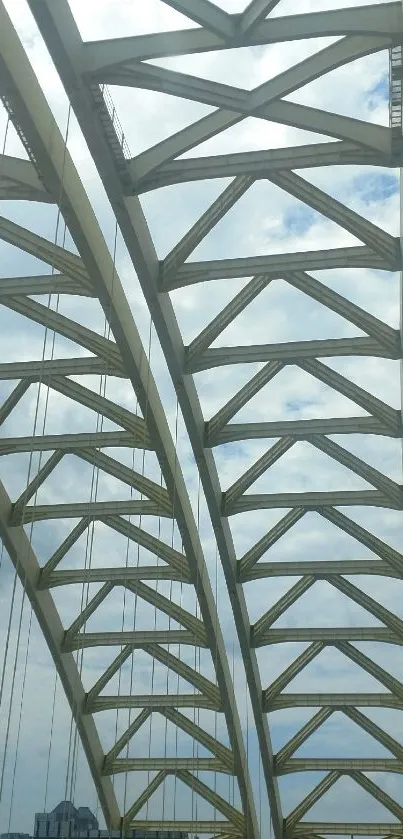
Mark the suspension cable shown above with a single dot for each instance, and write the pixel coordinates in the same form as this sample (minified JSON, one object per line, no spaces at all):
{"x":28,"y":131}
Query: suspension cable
{"x":30,"y":533}
{"x":142,"y":499}
{"x":72,"y":758}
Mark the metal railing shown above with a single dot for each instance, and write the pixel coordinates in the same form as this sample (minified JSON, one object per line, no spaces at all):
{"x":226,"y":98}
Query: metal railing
{"x":110,"y":106}
{"x":14,"y":119}
{"x":395,"y":95}
{"x":113,"y":131}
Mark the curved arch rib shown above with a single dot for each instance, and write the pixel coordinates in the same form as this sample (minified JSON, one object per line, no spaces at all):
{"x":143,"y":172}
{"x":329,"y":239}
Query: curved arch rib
{"x":82,"y":67}
{"x":92,"y":274}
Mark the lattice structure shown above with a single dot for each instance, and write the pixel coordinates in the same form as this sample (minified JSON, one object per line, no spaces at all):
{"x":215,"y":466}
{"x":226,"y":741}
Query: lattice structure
{"x":137,"y":62}
{"x":103,"y":507}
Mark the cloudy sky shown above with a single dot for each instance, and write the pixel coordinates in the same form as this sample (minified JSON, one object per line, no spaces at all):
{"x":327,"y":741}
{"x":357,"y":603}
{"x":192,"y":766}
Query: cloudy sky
{"x":266,"y":220}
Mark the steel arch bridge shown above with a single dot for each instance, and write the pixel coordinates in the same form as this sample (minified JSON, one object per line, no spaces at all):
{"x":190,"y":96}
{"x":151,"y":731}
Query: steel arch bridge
{"x":363,"y":438}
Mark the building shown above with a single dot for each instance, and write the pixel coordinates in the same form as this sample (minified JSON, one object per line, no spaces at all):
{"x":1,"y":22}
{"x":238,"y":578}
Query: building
{"x":65,"y":820}
{"x":15,"y":836}
{"x":69,"y":822}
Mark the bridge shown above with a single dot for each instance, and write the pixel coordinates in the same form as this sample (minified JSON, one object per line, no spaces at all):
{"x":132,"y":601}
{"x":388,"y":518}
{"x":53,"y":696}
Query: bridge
{"x":201,"y":419}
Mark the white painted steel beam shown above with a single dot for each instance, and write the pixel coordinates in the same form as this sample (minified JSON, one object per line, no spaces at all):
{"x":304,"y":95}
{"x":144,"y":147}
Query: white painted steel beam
{"x":292,"y":671}
{"x":44,"y":370}
{"x":375,"y":731}
{"x":101,"y":405}
{"x":215,"y":827}
{"x":57,"y":257}
{"x":63,"y":30}
{"x":258,"y":164}
{"x":309,"y":764}
{"x":224,"y":318}
{"x":278,"y":264}
{"x":341,"y":306}
{"x":145,"y":486}
{"x":137,"y":534}
{"x":382,"y":614}
{"x":318,"y":568}
{"x":348,"y":828}
{"x":19,"y":180}
{"x":282,"y":605}
{"x":329,"y":58}
{"x":337,"y":701}
{"x":34,"y":484}
{"x":190,"y":675}
{"x":299,"y":429}
{"x":206,"y":14}
{"x":74,"y":442}
{"x":269,"y":539}
{"x":150,"y":77}
{"x":383,"y":18}
{"x":62,"y":550}
{"x":364,"y":537}
{"x":330,"y":635}
{"x":170,"y":608}
{"x":295,"y":351}
{"x":207,"y":222}
{"x":226,"y":97}
{"x":315,"y":795}
{"x":395,"y":687}
{"x":259,"y":468}
{"x":153,"y":701}
{"x":242,"y":397}
{"x":23,"y":558}
{"x":374,"y":406}
{"x":94,"y":273}
{"x":311,"y":500}
{"x":45,"y":284}
{"x":13,"y":399}
{"x":303,"y":734}
{"x":362,"y":229}
{"x":384,"y":799}
{"x":144,"y":797}
{"x":377,"y":138}
{"x":134,"y":726}
{"x":196,"y":785}
{"x":356,"y":465}
{"x":42,"y":512}
{"x":175,"y":765}
{"x":361,"y":31}
{"x":138,"y":638}
{"x":223,"y":754}
{"x":255,"y":12}
{"x":88,"y":339}
{"x":119,"y":575}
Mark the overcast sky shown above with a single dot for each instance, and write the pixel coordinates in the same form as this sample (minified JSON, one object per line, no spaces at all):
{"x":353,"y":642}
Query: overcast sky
{"x":266,"y":220}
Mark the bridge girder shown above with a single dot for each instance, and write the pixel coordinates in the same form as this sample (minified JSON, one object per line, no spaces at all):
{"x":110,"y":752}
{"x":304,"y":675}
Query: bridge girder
{"x":50,"y":176}
{"x":363,"y":31}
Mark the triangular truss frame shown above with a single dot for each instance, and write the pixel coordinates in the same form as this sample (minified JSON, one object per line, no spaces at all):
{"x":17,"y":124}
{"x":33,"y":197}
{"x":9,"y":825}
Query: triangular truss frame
{"x":85,"y":69}
{"x":49,"y":176}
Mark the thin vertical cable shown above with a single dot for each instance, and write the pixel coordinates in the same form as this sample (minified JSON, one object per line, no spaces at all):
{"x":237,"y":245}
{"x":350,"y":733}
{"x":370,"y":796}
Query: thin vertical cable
{"x":150,"y":334}
{"x":171,"y":590}
{"x":73,"y":736}
{"x":30,"y":534}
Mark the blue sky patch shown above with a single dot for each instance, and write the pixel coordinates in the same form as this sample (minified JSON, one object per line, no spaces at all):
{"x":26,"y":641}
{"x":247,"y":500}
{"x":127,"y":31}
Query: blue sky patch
{"x":295,"y":406}
{"x":379,"y":92}
{"x":376,"y":186}
{"x":298,"y":220}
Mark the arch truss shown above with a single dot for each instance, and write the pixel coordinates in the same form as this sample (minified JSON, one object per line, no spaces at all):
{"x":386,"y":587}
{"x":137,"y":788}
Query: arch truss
{"x":90,"y":381}
{"x":355,"y":250}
